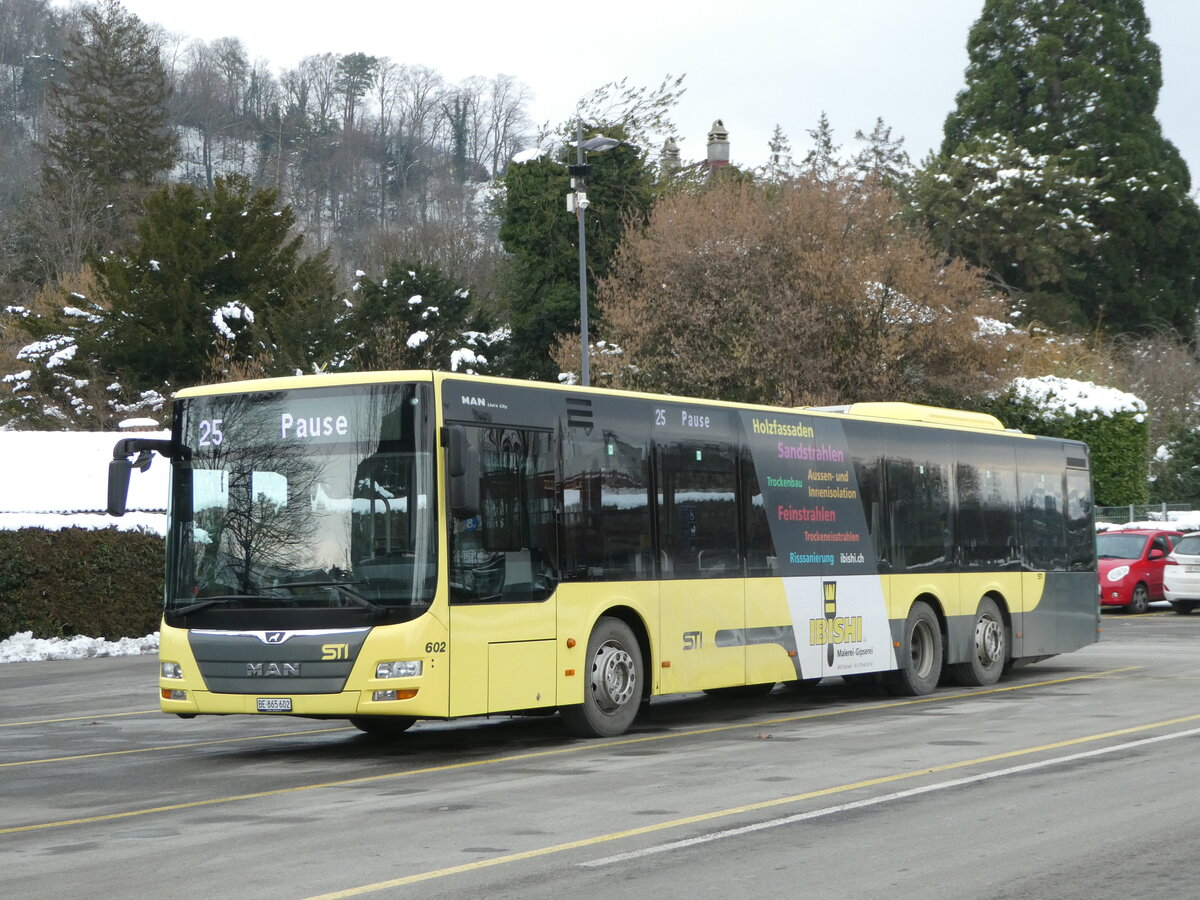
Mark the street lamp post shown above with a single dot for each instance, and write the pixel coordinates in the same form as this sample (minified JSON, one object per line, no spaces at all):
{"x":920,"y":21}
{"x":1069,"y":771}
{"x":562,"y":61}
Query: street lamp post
{"x":577,"y":202}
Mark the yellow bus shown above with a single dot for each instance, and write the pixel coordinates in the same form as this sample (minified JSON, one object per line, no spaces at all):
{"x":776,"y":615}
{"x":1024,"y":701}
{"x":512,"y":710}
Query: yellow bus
{"x":388,"y":547}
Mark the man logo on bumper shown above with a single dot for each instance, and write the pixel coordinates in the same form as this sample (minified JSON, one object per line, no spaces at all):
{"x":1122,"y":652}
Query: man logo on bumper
{"x":273,"y":670}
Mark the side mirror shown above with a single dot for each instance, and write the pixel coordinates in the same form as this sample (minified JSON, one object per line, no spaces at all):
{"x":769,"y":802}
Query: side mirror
{"x":463,"y":469}
{"x":121,"y":465}
{"x":118,"y":485}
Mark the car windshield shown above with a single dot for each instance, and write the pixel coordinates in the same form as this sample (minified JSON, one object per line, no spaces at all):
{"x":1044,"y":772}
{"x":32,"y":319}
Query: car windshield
{"x":1188,"y":546}
{"x":308,"y":499}
{"x":1120,"y":546}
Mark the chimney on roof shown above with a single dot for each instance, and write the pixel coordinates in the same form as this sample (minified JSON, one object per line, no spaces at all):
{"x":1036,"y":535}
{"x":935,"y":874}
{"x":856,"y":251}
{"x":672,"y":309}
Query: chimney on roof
{"x":718,"y":146}
{"x":670,"y":156}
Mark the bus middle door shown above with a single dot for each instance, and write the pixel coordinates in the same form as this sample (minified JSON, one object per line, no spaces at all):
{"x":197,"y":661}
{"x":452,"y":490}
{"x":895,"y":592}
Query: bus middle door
{"x":702,"y":592}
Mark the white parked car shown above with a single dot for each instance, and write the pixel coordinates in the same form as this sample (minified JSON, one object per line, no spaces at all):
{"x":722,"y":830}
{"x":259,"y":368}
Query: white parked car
{"x":1181,"y":574}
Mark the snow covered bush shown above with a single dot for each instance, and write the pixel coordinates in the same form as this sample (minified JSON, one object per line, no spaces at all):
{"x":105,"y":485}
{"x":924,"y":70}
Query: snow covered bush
{"x":1112,"y":423}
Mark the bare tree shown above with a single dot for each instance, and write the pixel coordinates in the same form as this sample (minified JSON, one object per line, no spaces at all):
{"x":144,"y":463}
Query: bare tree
{"x":799,"y":293}
{"x":507,"y":121}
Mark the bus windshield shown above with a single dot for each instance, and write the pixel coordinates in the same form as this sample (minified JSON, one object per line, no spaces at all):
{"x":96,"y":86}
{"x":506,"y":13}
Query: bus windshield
{"x":305,"y":500}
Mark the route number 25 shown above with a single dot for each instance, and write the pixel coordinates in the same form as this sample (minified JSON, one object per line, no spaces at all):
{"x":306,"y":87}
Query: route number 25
{"x":210,"y":433}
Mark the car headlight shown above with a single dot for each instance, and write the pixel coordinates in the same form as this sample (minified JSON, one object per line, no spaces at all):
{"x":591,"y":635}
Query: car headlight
{"x":408,"y":668}
{"x":1118,"y":573}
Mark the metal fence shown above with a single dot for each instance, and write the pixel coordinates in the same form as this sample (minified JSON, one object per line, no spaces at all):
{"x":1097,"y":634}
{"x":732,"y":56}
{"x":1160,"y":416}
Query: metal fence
{"x":1154,"y":512}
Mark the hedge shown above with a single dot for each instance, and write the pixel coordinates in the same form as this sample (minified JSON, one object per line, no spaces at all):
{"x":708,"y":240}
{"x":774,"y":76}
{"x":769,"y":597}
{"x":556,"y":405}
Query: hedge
{"x":1112,"y":423}
{"x":101,"y":583}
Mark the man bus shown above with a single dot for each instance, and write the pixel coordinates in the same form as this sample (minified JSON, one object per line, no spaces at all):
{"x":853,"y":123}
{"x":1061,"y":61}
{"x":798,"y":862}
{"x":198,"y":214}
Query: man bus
{"x":387,"y":547}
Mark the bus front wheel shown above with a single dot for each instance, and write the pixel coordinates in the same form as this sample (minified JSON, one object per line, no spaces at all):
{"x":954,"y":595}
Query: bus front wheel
{"x":920,"y":656}
{"x":614,"y":675}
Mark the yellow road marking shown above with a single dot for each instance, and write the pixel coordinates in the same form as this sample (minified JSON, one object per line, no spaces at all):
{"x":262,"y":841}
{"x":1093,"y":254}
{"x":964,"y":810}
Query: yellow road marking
{"x":557,"y":751}
{"x":185,"y":746}
{"x":140,"y":712}
{"x":736,"y":811}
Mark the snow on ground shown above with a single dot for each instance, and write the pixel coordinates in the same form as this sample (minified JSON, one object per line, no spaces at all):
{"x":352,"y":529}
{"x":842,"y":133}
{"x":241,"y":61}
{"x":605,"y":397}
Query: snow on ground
{"x":24,"y":647}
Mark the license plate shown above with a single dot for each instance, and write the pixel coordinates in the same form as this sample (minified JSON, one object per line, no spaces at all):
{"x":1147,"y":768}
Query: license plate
{"x":1192,"y":570}
{"x":274,"y":704}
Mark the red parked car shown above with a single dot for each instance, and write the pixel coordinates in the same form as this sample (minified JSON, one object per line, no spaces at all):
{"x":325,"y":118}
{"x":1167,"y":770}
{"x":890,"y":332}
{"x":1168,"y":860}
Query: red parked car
{"x":1131,"y":566}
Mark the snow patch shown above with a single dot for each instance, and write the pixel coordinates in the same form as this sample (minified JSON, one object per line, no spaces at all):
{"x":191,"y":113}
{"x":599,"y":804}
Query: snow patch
{"x":24,"y":647}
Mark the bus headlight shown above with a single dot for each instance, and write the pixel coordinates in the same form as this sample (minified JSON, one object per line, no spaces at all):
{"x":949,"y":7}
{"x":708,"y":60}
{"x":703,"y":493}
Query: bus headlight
{"x":171,"y":670}
{"x":1118,"y":573}
{"x":409,"y":668}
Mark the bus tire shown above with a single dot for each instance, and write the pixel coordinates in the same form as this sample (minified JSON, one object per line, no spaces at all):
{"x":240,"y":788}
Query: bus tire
{"x":989,"y":648}
{"x":613,"y":689}
{"x":921,"y":654}
{"x":382,"y":726}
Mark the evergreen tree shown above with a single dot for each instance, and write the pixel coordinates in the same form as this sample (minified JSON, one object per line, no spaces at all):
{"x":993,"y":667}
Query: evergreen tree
{"x":1073,"y":85}
{"x":213,"y":274}
{"x":882,"y":156}
{"x":822,"y":162}
{"x":540,"y":287}
{"x":780,"y":164}
{"x":1176,"y":470}
{"x":418,"y":317}
{"x":355,"y":75}
{"x":112,"y":102}
{"x":114,"y":138}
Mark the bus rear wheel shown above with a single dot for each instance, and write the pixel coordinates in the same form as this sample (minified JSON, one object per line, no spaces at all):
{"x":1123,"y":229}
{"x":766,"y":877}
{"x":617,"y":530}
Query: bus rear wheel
{"x":920,"y":656}
{"x":989,"y":652}
{"x":613,"y":689}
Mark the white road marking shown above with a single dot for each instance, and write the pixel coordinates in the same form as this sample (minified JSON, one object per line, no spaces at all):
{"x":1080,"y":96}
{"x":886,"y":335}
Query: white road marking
{"x":884,"y":798}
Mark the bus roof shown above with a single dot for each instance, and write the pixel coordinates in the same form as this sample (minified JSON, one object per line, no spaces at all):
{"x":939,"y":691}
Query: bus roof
{"x":913,"y":413}
{"x":294,"y":382}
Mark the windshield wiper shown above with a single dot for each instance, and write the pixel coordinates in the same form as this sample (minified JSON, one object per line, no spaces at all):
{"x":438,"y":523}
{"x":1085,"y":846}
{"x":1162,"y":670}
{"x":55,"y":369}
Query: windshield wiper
{"x":344,"y":589}
{"x":214,"y":601}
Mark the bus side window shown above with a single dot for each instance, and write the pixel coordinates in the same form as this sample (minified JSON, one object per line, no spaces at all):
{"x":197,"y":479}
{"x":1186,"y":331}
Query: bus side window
{"x":1041,"y":502}
{"x":761,"y":558}
{"x":698,"y":511}
{"x":986,"y":494}
{"x":1081,"y":532}
{"x":865,"y":442}
{"x":508,"y":552}
{"x":606,"y":507}
{"x":918,"y":506}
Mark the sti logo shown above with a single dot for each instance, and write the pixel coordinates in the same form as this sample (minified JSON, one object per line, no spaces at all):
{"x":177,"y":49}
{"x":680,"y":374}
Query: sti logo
{"x":473,"y":401}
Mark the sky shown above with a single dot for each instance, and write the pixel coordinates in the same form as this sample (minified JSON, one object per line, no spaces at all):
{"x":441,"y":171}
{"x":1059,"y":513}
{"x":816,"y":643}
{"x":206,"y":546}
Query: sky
{"x":753,"y":64}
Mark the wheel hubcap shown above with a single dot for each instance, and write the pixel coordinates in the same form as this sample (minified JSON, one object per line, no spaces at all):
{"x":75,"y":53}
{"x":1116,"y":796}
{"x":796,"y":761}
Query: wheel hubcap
{"x":613,"y":677}
{"x":920,"y":646}
{"x":989,"y":640}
